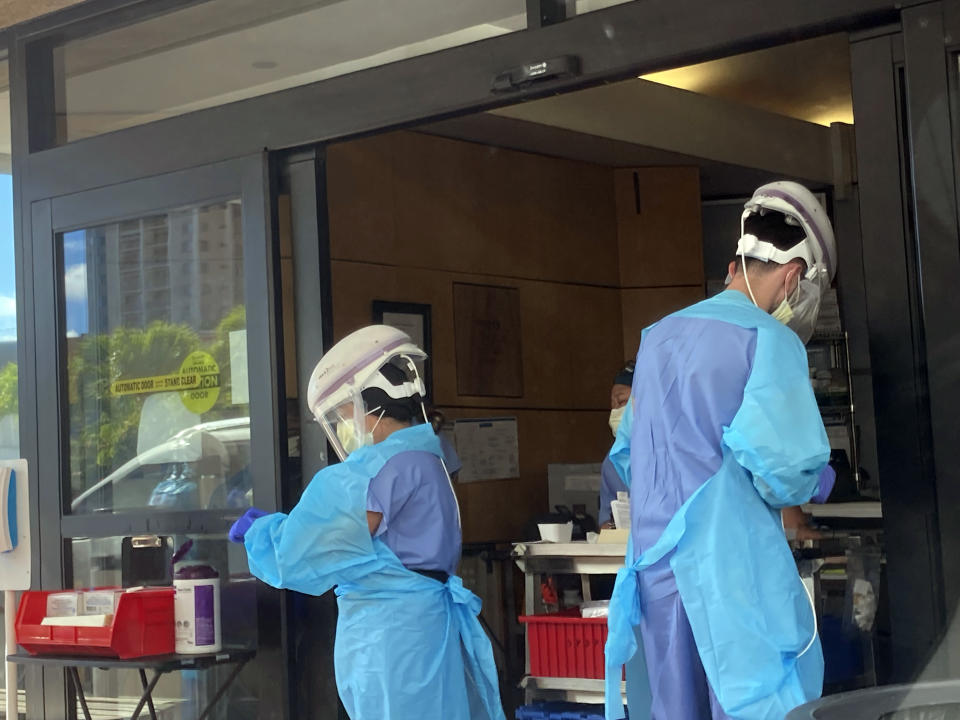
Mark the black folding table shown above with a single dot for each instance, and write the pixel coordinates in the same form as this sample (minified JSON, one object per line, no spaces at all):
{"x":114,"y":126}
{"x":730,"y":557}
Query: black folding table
{"x":160,"y":665}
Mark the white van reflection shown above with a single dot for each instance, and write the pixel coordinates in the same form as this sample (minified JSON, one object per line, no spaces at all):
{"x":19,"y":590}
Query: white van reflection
{"x":205,"y":466}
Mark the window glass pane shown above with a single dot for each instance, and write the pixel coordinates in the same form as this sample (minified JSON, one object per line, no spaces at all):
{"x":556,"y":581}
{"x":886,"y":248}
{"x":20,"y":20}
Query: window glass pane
{"x":225,"y":50}
{"x":9,"y":402}
{"x":117,"y":562}
{"x":9,"y":422}
{"x":157,"y":362}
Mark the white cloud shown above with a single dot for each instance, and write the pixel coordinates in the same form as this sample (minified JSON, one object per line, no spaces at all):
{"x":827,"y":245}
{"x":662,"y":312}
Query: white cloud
{"x":75,"y":282}
{"x":8,"y":307}
{"x":72,"y":334}
{"x":74,"y":241}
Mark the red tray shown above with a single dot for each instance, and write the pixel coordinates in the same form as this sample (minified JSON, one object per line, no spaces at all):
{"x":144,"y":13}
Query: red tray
{"x":142,"y":626}
{"x":566,"y":645}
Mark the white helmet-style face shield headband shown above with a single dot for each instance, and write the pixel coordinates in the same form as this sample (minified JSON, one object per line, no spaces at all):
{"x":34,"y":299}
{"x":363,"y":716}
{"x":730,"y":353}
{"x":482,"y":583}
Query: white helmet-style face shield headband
{"x":349,"y":425}
{"x":335,"y":393}
{"x":800,"y":208}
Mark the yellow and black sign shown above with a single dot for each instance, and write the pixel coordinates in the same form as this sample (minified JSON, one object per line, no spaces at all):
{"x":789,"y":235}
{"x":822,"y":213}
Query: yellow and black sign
{"x":198,"y":383}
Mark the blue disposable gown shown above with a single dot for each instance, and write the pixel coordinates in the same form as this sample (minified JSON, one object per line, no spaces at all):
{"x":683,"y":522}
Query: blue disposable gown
{"x":619,"y":455}
{"x":747,"y":609}
{"x":407,"y":647}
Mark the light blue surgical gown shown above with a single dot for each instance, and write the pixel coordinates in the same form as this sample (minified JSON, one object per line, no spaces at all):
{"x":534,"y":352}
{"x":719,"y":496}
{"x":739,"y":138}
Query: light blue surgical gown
{"x":407,"y":647}
{"x":724,"y":432}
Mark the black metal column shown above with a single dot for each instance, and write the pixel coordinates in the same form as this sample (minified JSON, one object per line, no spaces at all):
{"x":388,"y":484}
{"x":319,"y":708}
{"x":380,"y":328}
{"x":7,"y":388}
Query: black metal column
{"x":898,"y":361}
{"x":932,"y":147}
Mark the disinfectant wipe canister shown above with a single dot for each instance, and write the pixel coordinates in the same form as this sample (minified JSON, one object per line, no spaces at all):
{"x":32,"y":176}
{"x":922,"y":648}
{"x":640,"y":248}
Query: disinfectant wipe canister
{"x":197,"y":608}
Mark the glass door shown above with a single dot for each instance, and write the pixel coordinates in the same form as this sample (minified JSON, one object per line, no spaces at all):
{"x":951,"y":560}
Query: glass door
{"x":163,"y":427}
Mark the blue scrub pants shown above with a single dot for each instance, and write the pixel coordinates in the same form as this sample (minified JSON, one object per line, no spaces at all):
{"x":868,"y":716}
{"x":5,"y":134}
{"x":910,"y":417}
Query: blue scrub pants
{"x":678,"y":684}
{"x":638,"y":685}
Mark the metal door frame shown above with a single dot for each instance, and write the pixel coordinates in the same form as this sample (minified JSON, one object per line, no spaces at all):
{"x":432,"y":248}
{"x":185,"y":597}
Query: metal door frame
{"x":246,"y":178}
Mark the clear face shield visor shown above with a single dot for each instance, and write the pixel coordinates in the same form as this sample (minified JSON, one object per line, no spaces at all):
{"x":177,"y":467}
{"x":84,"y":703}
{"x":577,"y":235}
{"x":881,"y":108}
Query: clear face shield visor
{"x":348,"y":426}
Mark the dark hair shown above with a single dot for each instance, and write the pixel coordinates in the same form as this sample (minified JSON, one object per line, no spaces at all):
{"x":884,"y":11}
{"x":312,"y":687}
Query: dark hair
{"x":625,"y":376}
{"x":771,"y":227}
{"x":405,"y":410}
{"x":436,"y":419}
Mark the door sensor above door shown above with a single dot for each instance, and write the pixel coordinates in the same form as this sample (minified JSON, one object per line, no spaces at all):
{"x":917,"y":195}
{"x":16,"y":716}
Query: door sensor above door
{"x":529,"y":73}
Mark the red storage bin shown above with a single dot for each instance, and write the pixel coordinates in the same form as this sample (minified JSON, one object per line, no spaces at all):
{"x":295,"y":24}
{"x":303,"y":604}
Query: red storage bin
{"x":143,"y":625}
{"x":566,"y":645}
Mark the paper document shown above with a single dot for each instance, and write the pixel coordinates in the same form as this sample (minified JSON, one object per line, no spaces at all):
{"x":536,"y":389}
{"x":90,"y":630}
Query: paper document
{"x":488,"y":449}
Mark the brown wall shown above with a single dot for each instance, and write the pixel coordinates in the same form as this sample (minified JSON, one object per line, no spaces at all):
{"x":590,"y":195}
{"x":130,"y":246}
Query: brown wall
{"x":17,"y":11}
{"x":661,"y":244}
{"x":412,"y":214}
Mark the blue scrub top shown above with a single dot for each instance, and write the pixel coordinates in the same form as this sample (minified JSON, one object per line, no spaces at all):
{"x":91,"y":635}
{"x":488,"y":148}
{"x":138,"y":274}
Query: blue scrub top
{"x":450,"y":457}
{"x":420,"y":522}
{"x":610,"y":485}
{"x":688,"y":385}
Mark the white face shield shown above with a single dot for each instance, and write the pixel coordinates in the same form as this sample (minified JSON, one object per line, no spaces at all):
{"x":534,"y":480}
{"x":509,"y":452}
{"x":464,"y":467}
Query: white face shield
{"x":801,"y":309}
{"x":349,"y":426}
{"x":335,"y":393}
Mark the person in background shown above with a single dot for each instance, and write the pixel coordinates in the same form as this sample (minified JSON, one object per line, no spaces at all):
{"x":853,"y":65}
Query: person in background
{"x":450,"y":458}
{"x":383,"y":528}
{"x":725,"y":432}
{"x":610,"y":480}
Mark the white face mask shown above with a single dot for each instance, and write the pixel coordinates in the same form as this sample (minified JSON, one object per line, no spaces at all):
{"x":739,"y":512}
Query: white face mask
{"x":805,"y":310}
{"x":616,"y":415}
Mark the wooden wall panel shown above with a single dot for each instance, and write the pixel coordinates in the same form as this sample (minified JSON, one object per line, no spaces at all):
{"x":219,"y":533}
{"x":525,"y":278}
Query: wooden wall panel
{"x":489,"y":340}
{"x":658,"y":225}
{"x":411,"y":215}
{"x":644,"y":306}
{"x":360,"y":200}
{"x":17,"y":11}
{"x":465,"y":207}
{"x":572,"y":334}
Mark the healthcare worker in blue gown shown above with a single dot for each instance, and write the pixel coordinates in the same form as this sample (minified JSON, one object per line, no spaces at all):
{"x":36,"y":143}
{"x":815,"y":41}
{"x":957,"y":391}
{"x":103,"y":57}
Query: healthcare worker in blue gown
{"x":724,"y":432}
{"x":383,"y":528}
{"x":611,"y":482}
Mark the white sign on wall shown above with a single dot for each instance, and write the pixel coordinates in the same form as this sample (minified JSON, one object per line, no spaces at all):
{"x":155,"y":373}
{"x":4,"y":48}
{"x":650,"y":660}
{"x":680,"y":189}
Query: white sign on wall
{"x":14,"y":525}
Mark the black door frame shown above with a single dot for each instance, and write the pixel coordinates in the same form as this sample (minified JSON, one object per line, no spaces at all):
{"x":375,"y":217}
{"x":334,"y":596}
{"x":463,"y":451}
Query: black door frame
{"x":904,"y":82}
{"x":245,"y":178}
{"x":616,"y":43}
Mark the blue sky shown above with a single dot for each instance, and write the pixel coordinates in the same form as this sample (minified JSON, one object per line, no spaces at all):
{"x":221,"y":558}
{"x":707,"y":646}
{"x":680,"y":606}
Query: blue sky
{"x":8,"y":283}
{"x":75,"y":281}
{"x":75,"y":260}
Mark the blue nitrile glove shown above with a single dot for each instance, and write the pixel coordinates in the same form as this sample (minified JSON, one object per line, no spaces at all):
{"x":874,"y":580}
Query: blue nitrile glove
{"x":241,"y":526}
{"x":828,"y":477}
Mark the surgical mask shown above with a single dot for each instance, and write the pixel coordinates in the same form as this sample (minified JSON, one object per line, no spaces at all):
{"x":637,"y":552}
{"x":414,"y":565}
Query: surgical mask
{"x":784,"y":311}
{"x":349,"y":440}
{"x":616,"y":415}
{"x":348,"y":437}
{"x":805,"y":310}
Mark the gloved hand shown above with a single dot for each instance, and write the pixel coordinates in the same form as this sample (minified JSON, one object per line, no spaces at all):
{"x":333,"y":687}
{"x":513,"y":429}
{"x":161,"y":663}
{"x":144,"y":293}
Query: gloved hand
{"x":243,"y":524}
{"x":828,"y":477}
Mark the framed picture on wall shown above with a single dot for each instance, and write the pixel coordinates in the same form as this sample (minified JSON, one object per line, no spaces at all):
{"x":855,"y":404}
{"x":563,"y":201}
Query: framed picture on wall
{"x":414,"y":320}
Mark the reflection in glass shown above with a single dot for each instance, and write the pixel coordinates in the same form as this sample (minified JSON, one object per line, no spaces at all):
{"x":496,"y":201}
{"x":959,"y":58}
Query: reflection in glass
{"x":119,"y":562}
{"x":9,"y":385}
{"x":222,"y":51}
{"x":157,"y":370}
